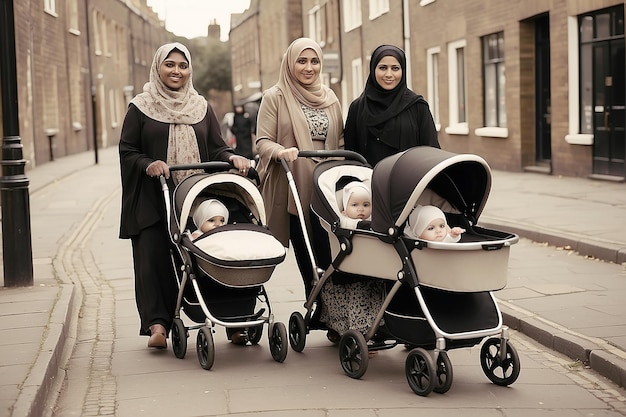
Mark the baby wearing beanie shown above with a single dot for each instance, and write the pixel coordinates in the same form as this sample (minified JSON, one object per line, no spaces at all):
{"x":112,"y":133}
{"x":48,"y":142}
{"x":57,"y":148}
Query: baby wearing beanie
{"x":208,"y":215}
{"x":429,"y":223}
{"x":357,"y":204}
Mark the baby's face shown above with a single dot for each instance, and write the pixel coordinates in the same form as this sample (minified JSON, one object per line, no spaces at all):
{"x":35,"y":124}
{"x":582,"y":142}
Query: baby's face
{"x":359,"y":207}
{"x":212,"y":223}
{"x":435,"y":231}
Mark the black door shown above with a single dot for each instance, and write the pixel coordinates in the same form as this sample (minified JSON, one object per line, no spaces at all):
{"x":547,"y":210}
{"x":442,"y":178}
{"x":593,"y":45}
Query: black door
{"x":608,"y":89}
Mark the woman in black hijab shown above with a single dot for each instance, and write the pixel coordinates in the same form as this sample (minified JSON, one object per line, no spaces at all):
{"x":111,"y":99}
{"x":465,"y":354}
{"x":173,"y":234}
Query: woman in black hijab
{"x":388,"y":117}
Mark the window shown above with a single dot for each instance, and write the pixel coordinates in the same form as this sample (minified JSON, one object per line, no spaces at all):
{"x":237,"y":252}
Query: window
{"x":457,"y":89}
{"x":357,"y":78}
{"x":494,"y":80}
{"x":50,"y":6}
{"x":378,"y":7}
{"x":72,"y":15}
{"x":432,"y":76}
{"x":316,"y":30}
{"x":351,"y":14}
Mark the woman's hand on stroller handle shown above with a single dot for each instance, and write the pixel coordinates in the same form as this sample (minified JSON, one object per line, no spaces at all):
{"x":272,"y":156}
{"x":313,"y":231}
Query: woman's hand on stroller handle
{"x":158,"y":168}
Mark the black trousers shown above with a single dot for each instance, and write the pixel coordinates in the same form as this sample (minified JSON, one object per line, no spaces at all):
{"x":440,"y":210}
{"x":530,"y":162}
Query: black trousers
{"x":155,"y":280}
{"x":319,"y":244}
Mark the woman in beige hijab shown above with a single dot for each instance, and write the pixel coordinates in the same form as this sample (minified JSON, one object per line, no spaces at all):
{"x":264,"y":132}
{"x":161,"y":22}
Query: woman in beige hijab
{"x":297,"y":113}
{"x":168,"y":123}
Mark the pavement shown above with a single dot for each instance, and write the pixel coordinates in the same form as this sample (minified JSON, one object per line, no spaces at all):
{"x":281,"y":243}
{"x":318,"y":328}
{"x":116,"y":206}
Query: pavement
{"x":565,"y":290}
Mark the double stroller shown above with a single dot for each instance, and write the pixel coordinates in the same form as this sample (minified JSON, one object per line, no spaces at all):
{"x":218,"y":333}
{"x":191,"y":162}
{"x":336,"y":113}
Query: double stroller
{"x":220,"y":280}
{"x":436,"y":295}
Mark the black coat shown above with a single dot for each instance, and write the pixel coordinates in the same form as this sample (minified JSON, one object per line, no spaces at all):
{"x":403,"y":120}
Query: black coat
{"x":144,"y":140}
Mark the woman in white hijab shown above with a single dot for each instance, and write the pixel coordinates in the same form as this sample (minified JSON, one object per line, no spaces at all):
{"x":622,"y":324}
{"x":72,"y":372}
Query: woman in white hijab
{"x":168,"y":123}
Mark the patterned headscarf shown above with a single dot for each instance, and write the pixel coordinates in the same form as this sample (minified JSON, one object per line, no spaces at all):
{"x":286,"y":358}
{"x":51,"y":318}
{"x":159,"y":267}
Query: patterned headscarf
{"x":180,"y":108}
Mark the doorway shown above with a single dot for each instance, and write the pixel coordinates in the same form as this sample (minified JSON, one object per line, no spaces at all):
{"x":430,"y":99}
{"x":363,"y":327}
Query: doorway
{"x":543,"y":111}
{"x":602,"y":73}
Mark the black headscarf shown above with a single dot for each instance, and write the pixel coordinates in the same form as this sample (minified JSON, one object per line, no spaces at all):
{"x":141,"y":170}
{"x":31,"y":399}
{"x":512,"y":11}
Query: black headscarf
{"x":395,"y":120}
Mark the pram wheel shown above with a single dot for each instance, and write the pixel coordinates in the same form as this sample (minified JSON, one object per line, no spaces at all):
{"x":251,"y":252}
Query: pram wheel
{"x":255,"y":334}
{"x":500,"y":364}
{"x":443,"y":373}
{"x":297,"y":331}
{"x":179,"y":338}
{"x":420,"y":372}
{"x":353,"y":354}
{"x":278,"y":342}
{"x":205,"y":348}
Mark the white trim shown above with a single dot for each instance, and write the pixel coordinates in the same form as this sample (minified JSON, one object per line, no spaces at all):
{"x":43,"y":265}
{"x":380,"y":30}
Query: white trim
{"x":426,"y":2}
{"x":579,"y":139}
{"x":453,"y":92}
{"x":432,"y":86}
{"x":492,"y":132}
{"x":573,"y":76}
{"x":457,"y":129}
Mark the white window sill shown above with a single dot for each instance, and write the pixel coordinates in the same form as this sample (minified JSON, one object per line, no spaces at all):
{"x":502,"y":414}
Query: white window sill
{"x":492,"y":132}
{"x":579,"y":139}
{"x":460,"y":129}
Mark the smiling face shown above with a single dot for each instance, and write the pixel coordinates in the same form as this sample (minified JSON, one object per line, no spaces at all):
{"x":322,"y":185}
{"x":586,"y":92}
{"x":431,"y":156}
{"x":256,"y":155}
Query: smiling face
{"x":174,"y":71}
{"x":307,"y":67}
{"x":388,"y":72}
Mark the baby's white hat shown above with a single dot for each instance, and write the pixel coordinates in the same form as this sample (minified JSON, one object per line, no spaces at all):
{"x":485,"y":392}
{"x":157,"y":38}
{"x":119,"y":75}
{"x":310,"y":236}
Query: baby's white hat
{"x":354,"y":187}
{"x":420,"y":218}
{"x":207,"y":209}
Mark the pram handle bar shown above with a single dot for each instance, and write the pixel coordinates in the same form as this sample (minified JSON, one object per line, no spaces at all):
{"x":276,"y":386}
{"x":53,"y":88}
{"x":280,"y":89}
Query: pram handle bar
{"x":216,"y":166}
{"x":339,"y":153}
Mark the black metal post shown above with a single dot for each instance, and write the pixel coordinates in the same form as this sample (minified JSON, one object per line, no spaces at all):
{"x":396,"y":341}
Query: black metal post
{"x":16,"y":235}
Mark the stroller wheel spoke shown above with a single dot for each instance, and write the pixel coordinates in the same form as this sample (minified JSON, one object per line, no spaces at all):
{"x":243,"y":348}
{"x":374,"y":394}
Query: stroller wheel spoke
{"x":353,"y":354}
{"x":500,"y":371}
{"x":420,"y":372}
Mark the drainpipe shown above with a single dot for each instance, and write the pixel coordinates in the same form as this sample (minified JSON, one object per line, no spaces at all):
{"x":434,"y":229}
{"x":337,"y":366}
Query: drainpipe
{"x":406,"y":31}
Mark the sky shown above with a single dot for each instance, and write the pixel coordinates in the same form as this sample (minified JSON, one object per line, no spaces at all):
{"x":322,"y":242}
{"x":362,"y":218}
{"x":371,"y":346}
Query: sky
{"x":191,"y":18}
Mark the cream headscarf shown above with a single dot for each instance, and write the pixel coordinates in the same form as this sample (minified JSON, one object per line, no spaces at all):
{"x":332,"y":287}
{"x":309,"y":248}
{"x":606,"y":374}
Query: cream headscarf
{"x":316,"y":95}
{"x":180,"y":108}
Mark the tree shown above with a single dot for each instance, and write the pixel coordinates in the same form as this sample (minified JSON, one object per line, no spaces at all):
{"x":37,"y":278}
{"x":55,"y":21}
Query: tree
{"x":211,"y":65}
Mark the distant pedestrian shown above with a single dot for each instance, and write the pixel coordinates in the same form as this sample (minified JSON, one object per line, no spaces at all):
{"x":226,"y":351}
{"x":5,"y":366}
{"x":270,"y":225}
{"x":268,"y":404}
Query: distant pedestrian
{"x":168,"y":123}
{"x":244,"y":130}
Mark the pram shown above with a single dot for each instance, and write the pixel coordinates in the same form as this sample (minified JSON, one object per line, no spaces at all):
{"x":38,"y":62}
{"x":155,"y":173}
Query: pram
{"x":220,"y":279}
{"x":438,"y":296}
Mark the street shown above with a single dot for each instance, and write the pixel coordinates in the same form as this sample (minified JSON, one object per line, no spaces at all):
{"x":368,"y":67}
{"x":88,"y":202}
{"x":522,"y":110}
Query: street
{"x":112,"y":372}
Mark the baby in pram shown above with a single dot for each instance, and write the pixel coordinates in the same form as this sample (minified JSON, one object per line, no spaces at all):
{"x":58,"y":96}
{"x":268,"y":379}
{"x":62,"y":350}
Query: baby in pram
{"x":357,"y":206}
{"x":208,"y":215}
{"x":429,"y":223}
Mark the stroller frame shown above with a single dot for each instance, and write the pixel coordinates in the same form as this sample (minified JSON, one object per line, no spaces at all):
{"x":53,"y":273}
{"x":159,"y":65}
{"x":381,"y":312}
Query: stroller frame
{"x":427,"y":365}
{"x":198,"y":310}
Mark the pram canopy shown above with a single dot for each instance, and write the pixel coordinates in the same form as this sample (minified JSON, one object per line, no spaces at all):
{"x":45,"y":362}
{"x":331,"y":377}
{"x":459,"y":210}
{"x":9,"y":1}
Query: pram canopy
{"x":221,"y":184}
{"x":399,"y":183}
{"x":326,"y":200}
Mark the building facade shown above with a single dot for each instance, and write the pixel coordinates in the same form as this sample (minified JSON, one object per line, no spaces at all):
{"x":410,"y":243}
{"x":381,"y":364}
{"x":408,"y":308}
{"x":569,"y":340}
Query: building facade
{"x":78,"y":64}
{"x":533,"y":85}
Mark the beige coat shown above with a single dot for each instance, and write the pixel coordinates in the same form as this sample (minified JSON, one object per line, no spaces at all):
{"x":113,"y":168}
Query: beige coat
{"x":274,"y":134}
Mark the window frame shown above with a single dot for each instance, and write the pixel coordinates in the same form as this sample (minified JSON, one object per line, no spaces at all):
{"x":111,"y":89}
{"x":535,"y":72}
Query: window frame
{"x":455,"y":126}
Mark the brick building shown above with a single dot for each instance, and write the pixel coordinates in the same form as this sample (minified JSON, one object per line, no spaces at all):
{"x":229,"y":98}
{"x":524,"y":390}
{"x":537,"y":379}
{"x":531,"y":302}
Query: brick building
{"x":531,"y":85}
{"x":78,"y":63}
